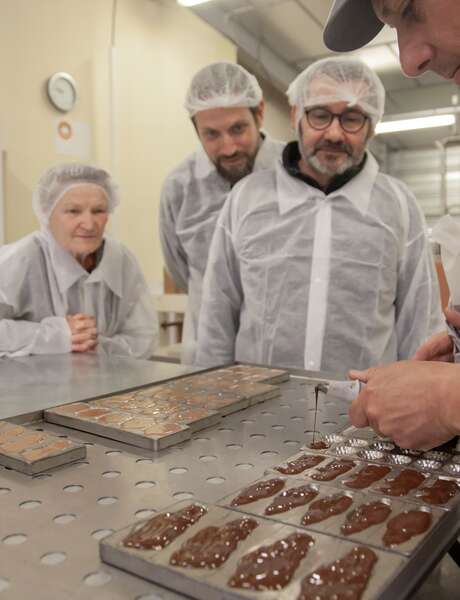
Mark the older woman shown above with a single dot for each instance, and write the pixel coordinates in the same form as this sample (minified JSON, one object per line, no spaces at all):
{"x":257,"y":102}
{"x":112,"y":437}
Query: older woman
{"x":69,"y":287}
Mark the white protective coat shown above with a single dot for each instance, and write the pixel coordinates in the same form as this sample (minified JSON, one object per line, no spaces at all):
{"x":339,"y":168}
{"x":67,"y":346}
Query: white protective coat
{"x":41,"y":283}
{"x":299,"y":279}
{"x":192,"y":198}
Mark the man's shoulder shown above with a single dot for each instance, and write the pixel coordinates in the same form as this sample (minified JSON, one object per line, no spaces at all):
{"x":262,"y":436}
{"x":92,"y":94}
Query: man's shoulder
{"x":184,"y":171}
{"x":389,"y":182}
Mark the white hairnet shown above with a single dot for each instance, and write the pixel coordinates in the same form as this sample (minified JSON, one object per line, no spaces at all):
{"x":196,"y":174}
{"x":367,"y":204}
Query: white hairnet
{"x":55,"y":182}
{"x":338,"y":79}
{"x":222,"y":85}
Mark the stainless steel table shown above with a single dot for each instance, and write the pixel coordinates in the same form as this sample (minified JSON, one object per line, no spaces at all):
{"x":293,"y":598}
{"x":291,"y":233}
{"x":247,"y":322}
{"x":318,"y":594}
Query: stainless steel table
{"x":34,"y":383}
{"x":51,"y":524}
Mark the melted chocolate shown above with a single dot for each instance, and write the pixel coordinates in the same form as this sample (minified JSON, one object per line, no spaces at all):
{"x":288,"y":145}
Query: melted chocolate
{"x":211,"y":546}
{"x":258,"y":491}
{"x":367,"y":476}
{"x":403,"y":483}
{"x":326,"y":507}
{"x":405,"y":526}
{"x":291,"y":498}
{"x":440,"y":492}
{"x":306,"y":461}
{"x":271,"y":567}
{"x":319,"y":445}
{"x":163,"y":529}
{"x":344,"y":579}
{"x":365,"y":516}
{"x":333,"y":469}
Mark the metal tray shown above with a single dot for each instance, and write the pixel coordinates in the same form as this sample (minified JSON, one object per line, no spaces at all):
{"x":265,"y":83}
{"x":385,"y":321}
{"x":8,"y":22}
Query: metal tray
{"x":331,"y":526}
{"x":206,"y":584}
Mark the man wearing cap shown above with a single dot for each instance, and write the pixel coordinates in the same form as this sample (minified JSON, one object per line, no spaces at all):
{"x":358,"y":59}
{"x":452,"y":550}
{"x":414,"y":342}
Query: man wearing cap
{"x":428,"y":32}
{"x":415,"y":403}
{"x":321,"y":262}
{"x":226,"y":107}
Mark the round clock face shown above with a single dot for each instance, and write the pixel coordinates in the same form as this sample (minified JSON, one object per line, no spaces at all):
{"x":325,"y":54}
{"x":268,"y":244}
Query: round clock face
{"x":62,"y":91}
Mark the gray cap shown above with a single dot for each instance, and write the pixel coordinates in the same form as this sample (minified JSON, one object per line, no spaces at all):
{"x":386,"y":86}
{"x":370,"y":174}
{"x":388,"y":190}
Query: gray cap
{"x":350,"y":25}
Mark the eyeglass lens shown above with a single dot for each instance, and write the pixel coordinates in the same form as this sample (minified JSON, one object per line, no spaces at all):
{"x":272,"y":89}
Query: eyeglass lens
{"x":350,"y":120}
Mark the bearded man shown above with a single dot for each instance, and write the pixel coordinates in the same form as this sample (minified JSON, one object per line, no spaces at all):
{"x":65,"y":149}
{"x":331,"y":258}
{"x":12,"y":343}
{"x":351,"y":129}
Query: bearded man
{"x":321,"y":262}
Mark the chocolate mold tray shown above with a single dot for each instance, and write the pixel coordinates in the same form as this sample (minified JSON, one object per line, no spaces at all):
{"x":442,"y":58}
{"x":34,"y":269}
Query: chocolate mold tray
{"x":158,"y":436}
{"x":212,"y":584}
{"x":213,"y":393}
{"x":29,"y":451}
{"x":331,"y":525}
{"x":448,"y":492}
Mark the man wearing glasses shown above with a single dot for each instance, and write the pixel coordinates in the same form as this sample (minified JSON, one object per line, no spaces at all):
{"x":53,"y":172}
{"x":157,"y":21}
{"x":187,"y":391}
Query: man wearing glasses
{"x":321,"y":262}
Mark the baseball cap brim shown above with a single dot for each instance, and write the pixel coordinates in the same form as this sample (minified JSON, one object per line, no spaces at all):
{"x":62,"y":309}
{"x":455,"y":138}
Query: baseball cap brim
{"x":350,"y":25}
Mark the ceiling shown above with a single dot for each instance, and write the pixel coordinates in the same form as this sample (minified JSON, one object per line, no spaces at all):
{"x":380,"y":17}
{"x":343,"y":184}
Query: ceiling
{"x":277,"y":39}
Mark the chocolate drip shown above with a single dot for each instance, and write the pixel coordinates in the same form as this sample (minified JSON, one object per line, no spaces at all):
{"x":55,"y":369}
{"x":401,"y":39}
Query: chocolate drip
{"x":367,"y":476}
{"x":440,"y":492}
{"x":306,"y":461}
{"x":319,"y":445}
{"x":405,"y":526}
{"x":271,"y":567}
{"x":291,"y":498}
{"x":326,"y":507}
{"x":365,"y":516}
{"x":211,"y":546}
{"x":333,"y":469}
{"x":258,"y":491}
{"x":403,"y":483}
{"x":344,"y":579}
{"x":163,"y":529}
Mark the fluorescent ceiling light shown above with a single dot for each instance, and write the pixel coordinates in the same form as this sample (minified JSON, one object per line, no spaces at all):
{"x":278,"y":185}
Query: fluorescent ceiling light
{"x":191,"y":2}
{"x":417,"y":123}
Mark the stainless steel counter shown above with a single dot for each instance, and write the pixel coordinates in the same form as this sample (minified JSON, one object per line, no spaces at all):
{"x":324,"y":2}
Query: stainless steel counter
{"x":34,"y":383}
{"x":51,"y":523}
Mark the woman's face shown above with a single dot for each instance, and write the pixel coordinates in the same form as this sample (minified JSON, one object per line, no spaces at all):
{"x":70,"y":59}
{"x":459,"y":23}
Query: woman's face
{"x":78,"y":220}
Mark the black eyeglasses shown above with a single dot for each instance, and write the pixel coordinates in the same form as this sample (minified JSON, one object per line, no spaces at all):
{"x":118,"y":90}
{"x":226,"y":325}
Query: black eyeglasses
{"x":350,"y":121}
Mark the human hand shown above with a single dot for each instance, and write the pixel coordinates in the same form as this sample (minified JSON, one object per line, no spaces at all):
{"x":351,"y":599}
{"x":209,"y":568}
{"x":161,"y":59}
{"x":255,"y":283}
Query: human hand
{"x":438,"y":347}
{"x":414,"y":403}
{"x":452,"y":317}
{"x":83,"y":332}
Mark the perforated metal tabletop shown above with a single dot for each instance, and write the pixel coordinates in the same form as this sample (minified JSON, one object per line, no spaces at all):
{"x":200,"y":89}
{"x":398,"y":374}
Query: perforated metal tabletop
{"x":51,"y":523}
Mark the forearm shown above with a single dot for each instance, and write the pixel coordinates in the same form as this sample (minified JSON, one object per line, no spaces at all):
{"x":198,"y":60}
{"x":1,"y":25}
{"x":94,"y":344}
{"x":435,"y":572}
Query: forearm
{"x":22,"y":338}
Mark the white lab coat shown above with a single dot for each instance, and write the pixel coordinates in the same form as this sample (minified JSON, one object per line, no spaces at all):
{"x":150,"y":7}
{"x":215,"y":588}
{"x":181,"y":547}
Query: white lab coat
{"x":299,"y":279}
{"x":192,"y":197}
{"x":41,"y":283}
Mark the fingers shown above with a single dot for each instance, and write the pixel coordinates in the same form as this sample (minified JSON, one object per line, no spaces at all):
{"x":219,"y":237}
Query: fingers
{"x":82,"y":342}
{"x":85,"y":326}
{"x":85,"y":340}
{"x":84,"y":346}
{"x":80,"y":323}
{"x":437,"y":347}
{"x":88,"y":335}
{"x":357,"y":413}
{"x":452,"y":316}
{"x":361,"y":375}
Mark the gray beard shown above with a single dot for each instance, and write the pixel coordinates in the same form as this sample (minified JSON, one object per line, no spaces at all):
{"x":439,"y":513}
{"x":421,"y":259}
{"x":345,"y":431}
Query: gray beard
{"x":325,"y":170}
